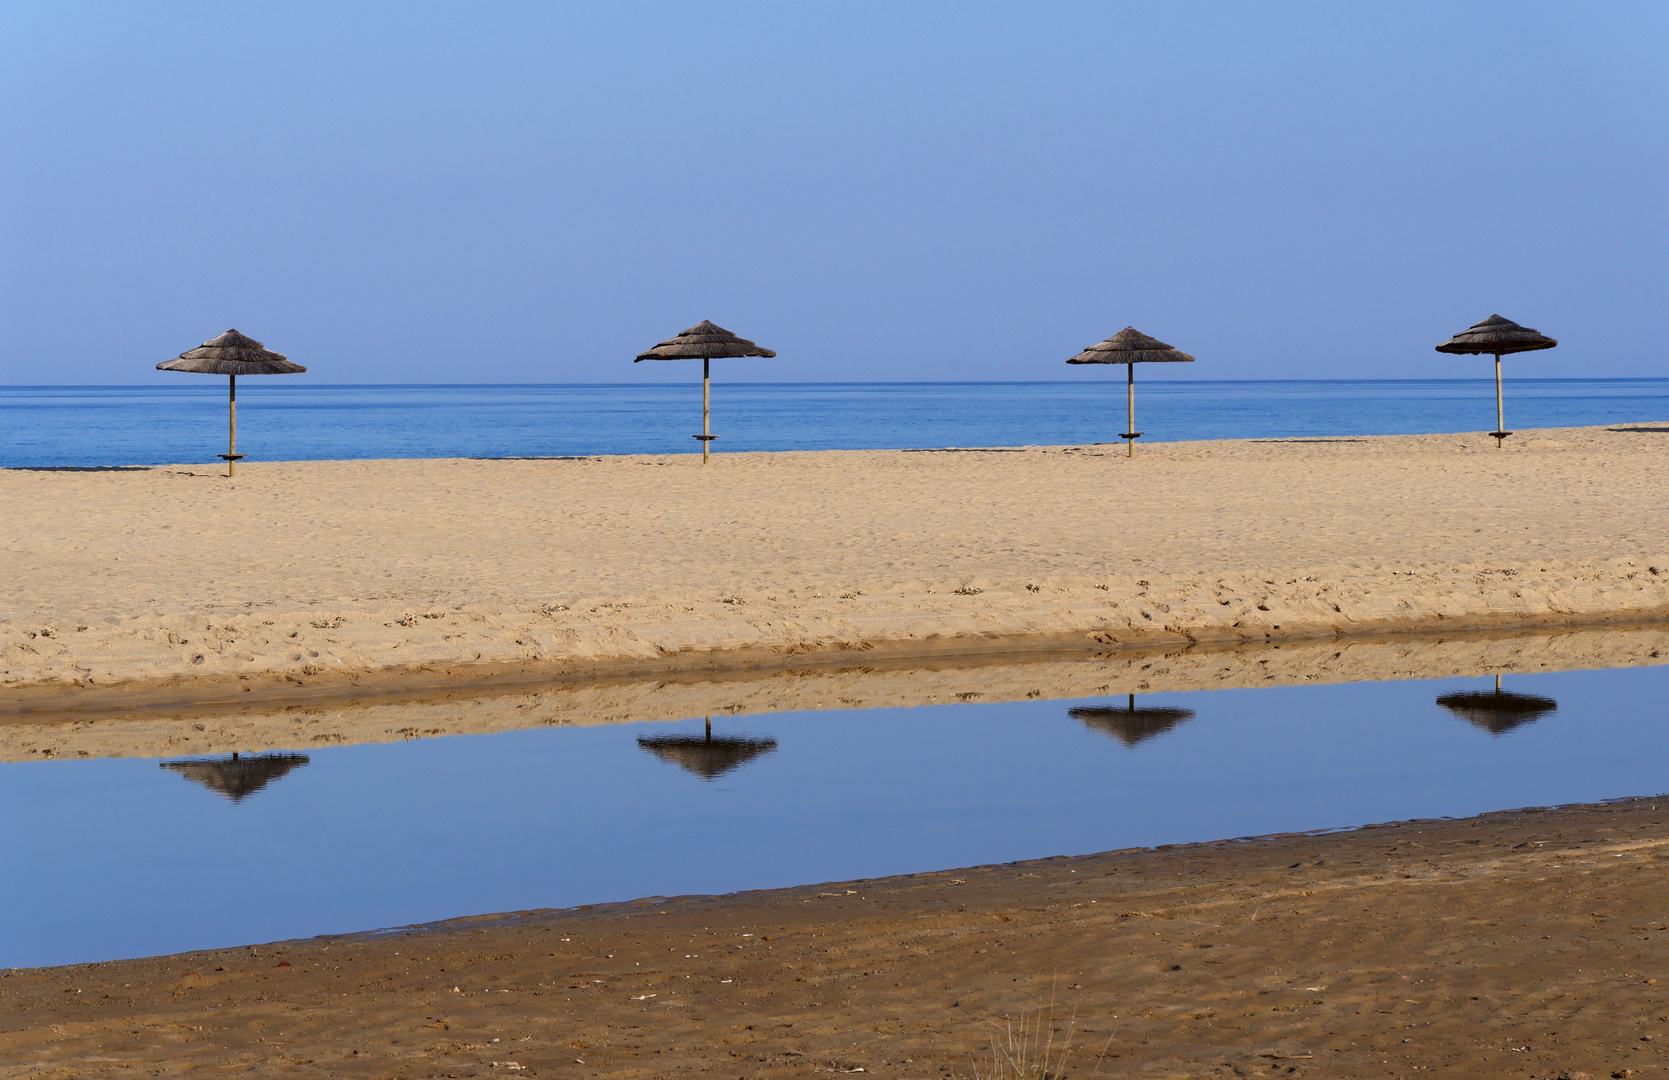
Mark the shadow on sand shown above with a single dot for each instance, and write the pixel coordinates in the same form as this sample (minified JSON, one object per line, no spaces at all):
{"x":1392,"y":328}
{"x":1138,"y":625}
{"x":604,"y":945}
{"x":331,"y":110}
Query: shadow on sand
{"x":81,"y":468}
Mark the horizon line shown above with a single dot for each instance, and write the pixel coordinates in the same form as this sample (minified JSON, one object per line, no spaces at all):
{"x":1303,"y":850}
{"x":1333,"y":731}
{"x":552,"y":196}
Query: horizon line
{"x":176,"y":385}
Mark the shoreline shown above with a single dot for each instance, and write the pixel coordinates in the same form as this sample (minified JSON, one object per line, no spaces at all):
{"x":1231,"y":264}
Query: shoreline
{"x":1453,"y":944}
{"x":175,"y":584}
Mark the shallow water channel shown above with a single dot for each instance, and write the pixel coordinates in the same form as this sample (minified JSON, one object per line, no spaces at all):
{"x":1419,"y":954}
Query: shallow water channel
{"x":110,"y":858}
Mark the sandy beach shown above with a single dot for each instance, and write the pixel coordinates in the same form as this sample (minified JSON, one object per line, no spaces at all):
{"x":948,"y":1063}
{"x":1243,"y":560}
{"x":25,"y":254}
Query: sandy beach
{"x":1514,"y":944}
{"x":177,"y":581}
{"x":171,"y":611}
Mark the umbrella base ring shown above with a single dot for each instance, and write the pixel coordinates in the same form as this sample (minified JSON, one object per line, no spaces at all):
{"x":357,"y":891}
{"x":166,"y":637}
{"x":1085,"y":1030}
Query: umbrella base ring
{"x":1131,"y":434}
{"x":1498,"y":434}
{"x":231,"y":457}
{"x":704,"y":438}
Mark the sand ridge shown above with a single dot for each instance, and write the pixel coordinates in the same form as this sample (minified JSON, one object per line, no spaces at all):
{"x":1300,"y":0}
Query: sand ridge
{"x":320,"y":571}
{"x":490,"y":706}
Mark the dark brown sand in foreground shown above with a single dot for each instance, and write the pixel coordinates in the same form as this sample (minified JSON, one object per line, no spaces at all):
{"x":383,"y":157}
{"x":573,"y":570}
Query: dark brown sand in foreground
{"x":1521,"y":944}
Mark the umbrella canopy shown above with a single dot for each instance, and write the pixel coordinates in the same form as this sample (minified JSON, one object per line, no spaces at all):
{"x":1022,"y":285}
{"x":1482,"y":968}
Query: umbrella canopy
{"x":1131,"y":347}
{"x":237,"y":777}
{"x":1130,"y":725}
{"x":704,"y":341}
{"x":232,"y":354}
{"x":1499,"y":711}
{"x":1497,"y":337}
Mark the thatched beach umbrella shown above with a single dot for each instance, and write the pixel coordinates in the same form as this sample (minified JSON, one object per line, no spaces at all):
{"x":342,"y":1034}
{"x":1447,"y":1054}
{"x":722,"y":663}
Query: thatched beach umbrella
{"x":707,"y":757}
{"x":1499,"y":337}
{"x":236,"y":777}
{"x":1131,"y":725}
{"x":231,"y":354}
{"x":1498,"y":712}
{"x":704,"y":342}
{"x":1131,"y":347}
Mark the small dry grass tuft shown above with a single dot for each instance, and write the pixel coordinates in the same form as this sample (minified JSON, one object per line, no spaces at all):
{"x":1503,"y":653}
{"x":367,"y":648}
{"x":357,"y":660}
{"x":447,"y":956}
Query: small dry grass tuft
{"x":1030,"y":1048}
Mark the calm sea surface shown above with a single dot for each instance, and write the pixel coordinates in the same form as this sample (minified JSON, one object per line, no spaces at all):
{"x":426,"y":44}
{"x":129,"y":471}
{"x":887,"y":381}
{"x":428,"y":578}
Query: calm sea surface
{"x":128,"y":857}
{"x":287,"y":419}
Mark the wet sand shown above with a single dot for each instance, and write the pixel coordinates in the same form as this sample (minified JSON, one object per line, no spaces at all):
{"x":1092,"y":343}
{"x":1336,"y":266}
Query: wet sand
{"x":1528,"y":943}
{"x":179,"y":583}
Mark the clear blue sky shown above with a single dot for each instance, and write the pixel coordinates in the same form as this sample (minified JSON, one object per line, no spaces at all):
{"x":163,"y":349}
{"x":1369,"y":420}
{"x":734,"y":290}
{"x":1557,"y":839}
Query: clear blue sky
{"x":417,"y":192}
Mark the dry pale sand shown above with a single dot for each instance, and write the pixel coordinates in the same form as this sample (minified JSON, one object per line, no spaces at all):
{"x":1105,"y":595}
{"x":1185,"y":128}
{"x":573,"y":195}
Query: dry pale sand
{"x":333,"y":572}
{"x":1521,"y":945}
{"x":329,"y":719}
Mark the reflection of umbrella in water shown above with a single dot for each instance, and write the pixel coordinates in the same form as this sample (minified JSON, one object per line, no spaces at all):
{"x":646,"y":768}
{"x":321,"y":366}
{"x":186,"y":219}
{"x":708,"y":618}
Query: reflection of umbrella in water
{"x":706,"y":342}
{"x":1131,"y":347}
{"x":1500,"y":337}
{"x":1499,"y":712}
{"x":237,"y":777}
{"x":232,"y":354}
{"x":707,"y":757}
{"x":1131,"y":725}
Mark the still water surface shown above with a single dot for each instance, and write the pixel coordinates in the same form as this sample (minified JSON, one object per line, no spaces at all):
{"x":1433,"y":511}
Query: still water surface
{"x":126,"y":857}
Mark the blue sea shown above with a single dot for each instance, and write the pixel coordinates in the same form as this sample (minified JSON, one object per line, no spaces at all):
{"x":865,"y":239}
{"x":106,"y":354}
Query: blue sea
{"x":288,"y":419}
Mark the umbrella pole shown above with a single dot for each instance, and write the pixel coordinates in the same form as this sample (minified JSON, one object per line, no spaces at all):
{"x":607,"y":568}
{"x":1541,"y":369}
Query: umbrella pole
{"x":231,"y":426}
{"x":1130,"y":407}
{"x":1500,"y":418}
{"x":706,"y":400}
{"x":232,"y":422}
